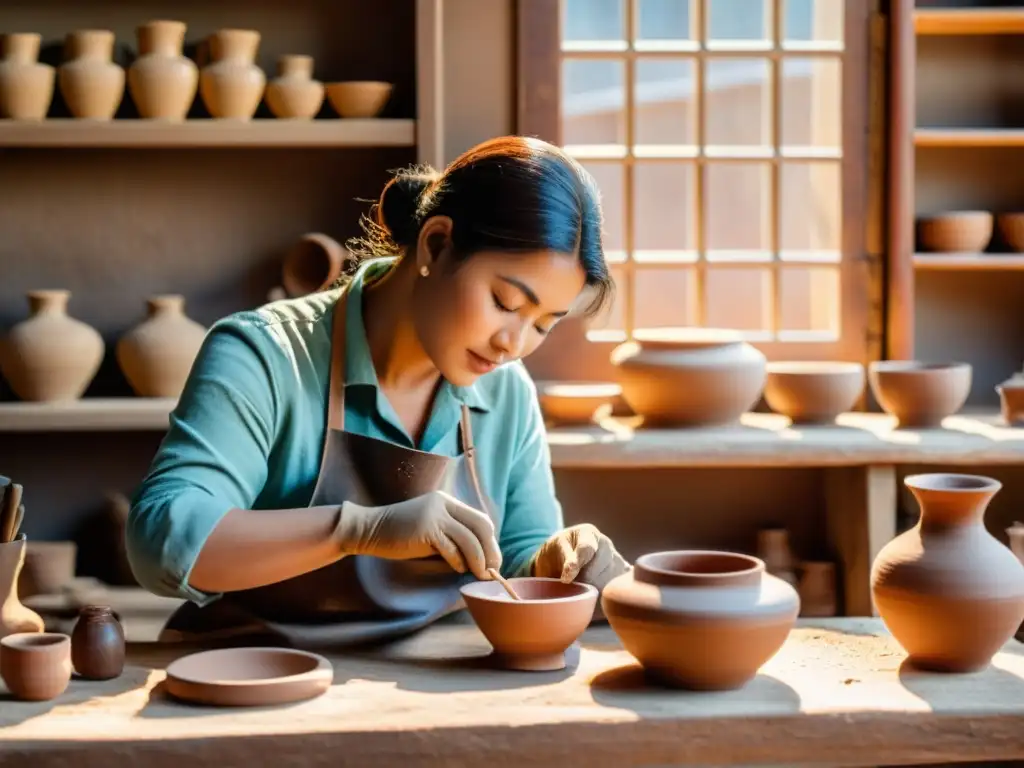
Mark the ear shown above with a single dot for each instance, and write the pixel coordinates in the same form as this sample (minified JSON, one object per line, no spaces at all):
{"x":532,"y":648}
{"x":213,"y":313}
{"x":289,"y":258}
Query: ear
{"x":434,"y":241}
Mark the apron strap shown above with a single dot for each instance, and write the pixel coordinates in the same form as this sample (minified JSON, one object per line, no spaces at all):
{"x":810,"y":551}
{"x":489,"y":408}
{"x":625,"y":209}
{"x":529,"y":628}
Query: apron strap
{"x":336,"y":385}
{"x":469,"y":450}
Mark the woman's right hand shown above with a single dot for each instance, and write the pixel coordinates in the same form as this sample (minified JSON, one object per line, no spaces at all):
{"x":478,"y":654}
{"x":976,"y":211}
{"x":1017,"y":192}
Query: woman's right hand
{"x":435,"y":523}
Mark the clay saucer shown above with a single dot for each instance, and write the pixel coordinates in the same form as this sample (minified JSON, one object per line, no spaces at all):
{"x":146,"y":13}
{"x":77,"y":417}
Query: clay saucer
{"x":248,"y":677}
{"x":531,"y":633}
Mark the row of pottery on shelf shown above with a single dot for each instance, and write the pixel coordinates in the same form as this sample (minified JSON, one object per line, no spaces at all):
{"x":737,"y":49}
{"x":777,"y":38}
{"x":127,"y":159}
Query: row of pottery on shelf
{"x":52,"y":356}
{"x":949,"y":592}
{"x":163,"y":82}
{"x":970,"y":231}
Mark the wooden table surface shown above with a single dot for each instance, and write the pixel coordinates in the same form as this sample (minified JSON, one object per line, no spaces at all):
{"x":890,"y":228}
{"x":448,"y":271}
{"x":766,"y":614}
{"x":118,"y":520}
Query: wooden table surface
{"x":837,"y":693}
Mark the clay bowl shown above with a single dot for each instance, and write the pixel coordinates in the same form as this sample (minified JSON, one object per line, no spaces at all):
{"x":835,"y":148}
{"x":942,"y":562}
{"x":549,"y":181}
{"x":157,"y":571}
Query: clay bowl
{"x":36,"y":665}
{"x":359,"y":98}
{"x":312,"y":263}
{"x":1011,"y":399}
{"x":533,"y":633}
{"x":566,"y":402}
{"x":245,"y":677}
{"x":1011,"y":230}
{"x":813,"y":392}
{"x":919,"y":394}
{"x":956,"y":231}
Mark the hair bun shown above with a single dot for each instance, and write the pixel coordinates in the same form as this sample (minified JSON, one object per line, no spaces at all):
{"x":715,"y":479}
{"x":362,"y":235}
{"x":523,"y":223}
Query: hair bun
{"x":399,"y":206}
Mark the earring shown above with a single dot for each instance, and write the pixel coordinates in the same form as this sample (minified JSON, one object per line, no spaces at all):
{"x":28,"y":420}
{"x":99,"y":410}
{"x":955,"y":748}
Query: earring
{"x":424,"y":270}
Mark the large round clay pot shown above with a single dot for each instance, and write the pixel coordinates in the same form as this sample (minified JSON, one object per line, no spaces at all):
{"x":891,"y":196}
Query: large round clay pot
{"x":232,"y":85}
{"x":157,"y":355}
{"x":947,"y":589}
{"x":294,"y":94}
{"x":813,"y":392}
{"x":26,"y":84}
{"x":162,"y":81}
{"x":702,"y":620}
{"x":90,"y":82}
{"x":50,"y":356}
{"x":689,"y":377}
{"x":920,"y":394}
{"x":312,"y":264}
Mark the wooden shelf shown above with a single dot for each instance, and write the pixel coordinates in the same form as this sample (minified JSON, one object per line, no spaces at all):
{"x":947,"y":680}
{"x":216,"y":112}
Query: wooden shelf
{"x":969,"y":137}
{"x":87,"y":415}
{"x":328,"y":132}
{"x":993,"y":262}
{"x":969,"y":21}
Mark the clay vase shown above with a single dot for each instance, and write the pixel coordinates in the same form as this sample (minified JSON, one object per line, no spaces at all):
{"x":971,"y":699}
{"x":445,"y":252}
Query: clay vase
{"x":14,"y":617}
{"x":156,"y":356}
{"x":97,"y":644}
{"x":817,"y":589}
{"x":294,"y":94}
{"x":312,"y":264}
{"x":689,"y":377}
{"x":90,"y":82}
{"x":162,"y":81}
{"x":232,"y":85}
{"x":948,"y":590}
{"x":702,"y":620}
{"x":36,"y":666}
{"x":26,"y":84}
{"x":773,"y":548}
{"x":50,"y":356}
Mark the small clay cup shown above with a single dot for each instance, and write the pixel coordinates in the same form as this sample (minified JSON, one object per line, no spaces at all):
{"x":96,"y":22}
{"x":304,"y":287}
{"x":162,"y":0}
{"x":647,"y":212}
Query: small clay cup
{"x":920,"y":394}
{"x":97,"y":644}
{"x":1011,"y":400}
{"x":533,"y":633}
{"x":813,"y":392}
{"x":36,"y":666}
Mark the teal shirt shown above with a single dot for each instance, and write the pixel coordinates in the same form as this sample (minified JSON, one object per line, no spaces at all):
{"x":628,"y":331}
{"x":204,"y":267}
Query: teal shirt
{"x":248,"y":432}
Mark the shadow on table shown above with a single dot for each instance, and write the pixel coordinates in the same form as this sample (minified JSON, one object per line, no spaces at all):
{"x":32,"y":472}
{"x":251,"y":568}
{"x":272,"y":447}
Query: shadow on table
{"x":939,"y":690}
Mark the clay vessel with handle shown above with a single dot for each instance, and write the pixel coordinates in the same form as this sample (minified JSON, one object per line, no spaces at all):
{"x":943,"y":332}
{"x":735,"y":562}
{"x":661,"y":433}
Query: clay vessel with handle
{"x":36,"y":666}
{"x":14,"y":617}
{"x":947,"y":589}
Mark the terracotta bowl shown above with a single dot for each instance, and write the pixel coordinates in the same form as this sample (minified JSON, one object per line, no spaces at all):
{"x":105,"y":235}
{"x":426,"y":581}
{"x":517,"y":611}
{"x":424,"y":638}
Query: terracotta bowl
{"x":956,"y":231}
{"x":1011,"y":229}
{"x":36,"y":665}
{"x":242,"y":677}
{"x":567,"y":402}
{"x":1011,"y":399}
{"x":532,"y":633}
{"x":813,"y":392}
{"x":363,"y":98}
{"x":920,"y":394}
{"x":312,"y":263}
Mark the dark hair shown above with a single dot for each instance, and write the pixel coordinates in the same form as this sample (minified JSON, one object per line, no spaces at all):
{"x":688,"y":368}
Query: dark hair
{"x":507,"y":194}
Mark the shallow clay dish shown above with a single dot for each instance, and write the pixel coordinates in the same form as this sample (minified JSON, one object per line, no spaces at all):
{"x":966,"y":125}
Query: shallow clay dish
{"x":569,"y":402}
{"x":920,"y":394}
{"x":813,"y":392}
{"x":532,"y":633}
{"x":246,"y":677}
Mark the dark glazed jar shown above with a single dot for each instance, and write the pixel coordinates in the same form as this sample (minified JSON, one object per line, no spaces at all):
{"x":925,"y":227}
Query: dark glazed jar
{"x":97,"y":644}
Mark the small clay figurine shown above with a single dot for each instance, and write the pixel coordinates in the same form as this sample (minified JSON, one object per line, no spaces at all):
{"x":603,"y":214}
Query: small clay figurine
{"x":97,"y":644}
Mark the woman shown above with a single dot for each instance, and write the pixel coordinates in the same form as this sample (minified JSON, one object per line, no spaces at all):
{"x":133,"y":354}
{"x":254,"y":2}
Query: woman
{"x":339,"y":464}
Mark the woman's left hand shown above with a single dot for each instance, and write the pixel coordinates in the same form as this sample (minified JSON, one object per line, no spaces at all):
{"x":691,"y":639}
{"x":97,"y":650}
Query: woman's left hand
{"x":580,"y":552}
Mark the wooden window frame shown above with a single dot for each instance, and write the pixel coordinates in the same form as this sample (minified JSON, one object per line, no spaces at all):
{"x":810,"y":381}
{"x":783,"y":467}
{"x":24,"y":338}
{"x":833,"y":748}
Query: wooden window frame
{"x":538,"y":69}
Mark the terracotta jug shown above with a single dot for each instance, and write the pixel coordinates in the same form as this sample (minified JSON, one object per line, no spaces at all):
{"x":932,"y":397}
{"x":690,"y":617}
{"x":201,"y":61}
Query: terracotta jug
{"x":162,"y":81}
{"x":948,"y":590}
{"x":689,"y":376}
{"x":156,"y":356}
{"x":90,"y":82}
{"x":294,"y":93}
{"x":14,"y":617}
{"x":232,"y":85}
{"x":50,"y":356}
{"x":26,"y":84}
{"x":702,"y":620}
{"x":97,"y":644}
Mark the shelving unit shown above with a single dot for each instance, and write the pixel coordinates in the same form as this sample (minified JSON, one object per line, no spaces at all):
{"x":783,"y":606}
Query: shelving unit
{"x":960,"y":262}
{"x":969,"y":21}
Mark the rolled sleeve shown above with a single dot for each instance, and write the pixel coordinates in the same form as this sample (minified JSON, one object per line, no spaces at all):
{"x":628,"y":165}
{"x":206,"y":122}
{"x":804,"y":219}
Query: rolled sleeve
{"x":212,"y":459}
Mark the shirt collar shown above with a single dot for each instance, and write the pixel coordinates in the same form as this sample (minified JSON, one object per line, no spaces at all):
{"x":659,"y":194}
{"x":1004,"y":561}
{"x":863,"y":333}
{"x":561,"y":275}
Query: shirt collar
{"x":359,"y":368}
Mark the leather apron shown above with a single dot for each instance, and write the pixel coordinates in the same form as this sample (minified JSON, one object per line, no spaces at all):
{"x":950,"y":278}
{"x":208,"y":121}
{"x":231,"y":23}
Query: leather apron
{"x":359,"y":598}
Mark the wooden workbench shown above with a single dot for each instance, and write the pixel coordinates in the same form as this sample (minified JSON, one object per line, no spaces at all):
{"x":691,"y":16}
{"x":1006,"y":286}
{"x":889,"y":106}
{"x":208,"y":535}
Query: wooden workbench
{"x":836,"y":694}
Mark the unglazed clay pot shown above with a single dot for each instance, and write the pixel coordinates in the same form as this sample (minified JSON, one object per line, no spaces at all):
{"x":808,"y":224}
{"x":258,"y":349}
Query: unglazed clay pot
{"x":162,"y":81}
{"x":97,"y":644}
{"x":50,"y":356}
{"x":774,"y":550}
{"x":1011,"y":400}
{"x":294,"y":94}
{"x":90,"y":82}
{"x":36,"y":666}
{"x":312,"y":263}
{"x":702,"y":620}
{"x":956,"y":231}
{"x":232,"y":85}
{"x":534,"y":632}
{"x":689,"y":377}
{"x":156,"y":356}
{"x":947,"y":589}
{"x":26,"y":84}
{"x":1011,"y":229}
{"x":920,"y":394}
{"x":359,"y":98}
{"x":813,"y":392}
{"x":571,"y":402}
{"x":14,"y":617}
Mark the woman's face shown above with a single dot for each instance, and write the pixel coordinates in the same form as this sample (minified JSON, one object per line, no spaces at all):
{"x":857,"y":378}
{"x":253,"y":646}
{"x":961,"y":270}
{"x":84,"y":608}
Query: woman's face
{"x":492,"y":308}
